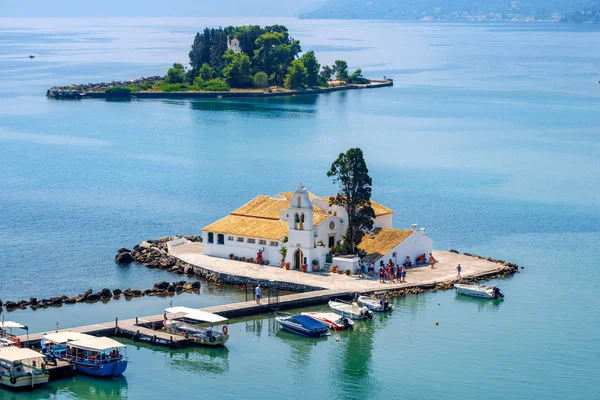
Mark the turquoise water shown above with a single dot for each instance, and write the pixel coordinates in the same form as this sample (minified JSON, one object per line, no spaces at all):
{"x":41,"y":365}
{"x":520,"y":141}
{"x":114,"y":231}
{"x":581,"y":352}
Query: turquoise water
{"x":489,"y":138}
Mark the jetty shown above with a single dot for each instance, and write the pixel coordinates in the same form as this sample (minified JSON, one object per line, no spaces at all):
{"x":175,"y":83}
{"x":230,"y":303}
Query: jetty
{"x":326,"y":286}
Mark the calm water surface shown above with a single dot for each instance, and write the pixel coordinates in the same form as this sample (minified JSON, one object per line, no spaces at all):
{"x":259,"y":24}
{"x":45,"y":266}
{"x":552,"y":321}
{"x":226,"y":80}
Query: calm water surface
{"x":489,"y":138}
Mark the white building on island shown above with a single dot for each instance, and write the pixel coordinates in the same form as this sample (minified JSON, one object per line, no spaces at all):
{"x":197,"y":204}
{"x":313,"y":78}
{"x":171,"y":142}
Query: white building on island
{"x":308,"y":227}
{"x":234,"y":45}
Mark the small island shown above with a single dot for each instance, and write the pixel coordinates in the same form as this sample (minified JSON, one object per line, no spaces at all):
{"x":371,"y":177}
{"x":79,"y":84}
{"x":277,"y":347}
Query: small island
{"x":242,"y":61}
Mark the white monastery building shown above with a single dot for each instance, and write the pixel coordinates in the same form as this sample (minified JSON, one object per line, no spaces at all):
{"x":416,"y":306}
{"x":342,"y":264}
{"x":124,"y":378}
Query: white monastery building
{"x":234,"y":45}
{"x":308,"y":227}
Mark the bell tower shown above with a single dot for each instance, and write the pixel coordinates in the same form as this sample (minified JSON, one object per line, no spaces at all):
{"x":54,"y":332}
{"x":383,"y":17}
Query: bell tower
{"x":300,"y":227}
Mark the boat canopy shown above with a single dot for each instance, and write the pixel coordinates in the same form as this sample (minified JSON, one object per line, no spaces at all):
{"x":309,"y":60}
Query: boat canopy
{"x":307,"y":322}
{"x":11,"y":324}
{"x":96,"y":344}
{"x":65,"y":337}
{"x":12,"y":354}
{"x":197,"y":315}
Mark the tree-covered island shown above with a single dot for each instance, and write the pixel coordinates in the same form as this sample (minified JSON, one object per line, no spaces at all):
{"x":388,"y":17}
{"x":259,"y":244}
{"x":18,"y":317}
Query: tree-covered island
{"x":241,"y":59}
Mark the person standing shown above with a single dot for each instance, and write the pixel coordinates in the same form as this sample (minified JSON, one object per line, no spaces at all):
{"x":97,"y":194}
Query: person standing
{"x":431,"y":260}
{"x":403,"y":274}
{"x":458,"y":269}
{"x":258,"y":294}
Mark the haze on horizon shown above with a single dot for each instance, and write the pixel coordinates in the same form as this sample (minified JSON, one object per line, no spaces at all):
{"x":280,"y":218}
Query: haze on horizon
{"x":153,"y":8}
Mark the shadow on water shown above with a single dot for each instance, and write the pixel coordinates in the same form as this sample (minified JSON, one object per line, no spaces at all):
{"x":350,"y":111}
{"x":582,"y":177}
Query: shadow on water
{"x":481,"y":304}
{"x":77,"y":387}
{"x":286,"y":104}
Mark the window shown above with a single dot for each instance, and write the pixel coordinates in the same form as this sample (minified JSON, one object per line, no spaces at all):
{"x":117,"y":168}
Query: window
{"x":211,"y":237}
{"x":274,"y":244}
{"x":251,"y":241}
{"x":220,"y":239}
{"x":302,"y":221}
{"x":230,"y":238}
{"x":299,"y":202}
{"x":262,"y":241}
{"x":240,"y":239}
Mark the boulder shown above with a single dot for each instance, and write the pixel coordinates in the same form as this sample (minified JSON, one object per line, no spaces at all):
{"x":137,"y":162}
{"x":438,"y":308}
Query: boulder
{"x":71,"y":300}
{"x":148,"y":291}
{"x":171,"y":289}
{"x":161,"y":285}
{"x":136,"y":292}
{"x":123,"y":250}
{"x":117,"y":292}
{"x":11,"y":305}
{"x":33,"y":301}
{"x":146,"y":245}
{"x":55,"y":301}
{"x":196,"y":285}
{"x":93,"y":297}
{"x":88,"y":292}
{"x":187,"y":286}
{"x":124,"y":258}
{"x":105,"y":293}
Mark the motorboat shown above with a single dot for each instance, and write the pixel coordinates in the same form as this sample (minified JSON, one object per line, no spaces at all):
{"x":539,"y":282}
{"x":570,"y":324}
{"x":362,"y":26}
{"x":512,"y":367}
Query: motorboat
{"x":351,"y":310}
{"x":7,"y":337}
{"x":482,"y":291}
{"x":31,"y":56}
{"x":22,"y":368}
{"x":188,"y":322}
{"x":98,"y":356}
{"x":378,"y":304}
{"x":331,"y":320}
{"x":301,"y":325}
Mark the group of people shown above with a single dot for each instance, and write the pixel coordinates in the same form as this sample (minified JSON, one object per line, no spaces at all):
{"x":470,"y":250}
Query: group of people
{"x":390,"y":271}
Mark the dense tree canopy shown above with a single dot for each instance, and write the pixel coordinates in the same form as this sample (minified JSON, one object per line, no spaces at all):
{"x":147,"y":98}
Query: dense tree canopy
{"x":269,"y":56}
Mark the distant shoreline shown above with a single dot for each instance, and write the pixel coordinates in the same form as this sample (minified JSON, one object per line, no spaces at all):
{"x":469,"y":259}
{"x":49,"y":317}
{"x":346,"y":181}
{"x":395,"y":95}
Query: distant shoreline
{"x":66,"y":94}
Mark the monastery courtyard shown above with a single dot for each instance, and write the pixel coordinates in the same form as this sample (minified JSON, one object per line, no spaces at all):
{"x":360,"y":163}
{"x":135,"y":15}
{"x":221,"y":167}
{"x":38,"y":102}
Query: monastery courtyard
{"x":444,"y":271}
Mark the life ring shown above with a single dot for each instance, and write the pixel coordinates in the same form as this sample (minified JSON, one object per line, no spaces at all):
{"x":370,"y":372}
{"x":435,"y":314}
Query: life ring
{"x":212,"y":339}
{"x":13,"y":380}
{"x":225,"y":330}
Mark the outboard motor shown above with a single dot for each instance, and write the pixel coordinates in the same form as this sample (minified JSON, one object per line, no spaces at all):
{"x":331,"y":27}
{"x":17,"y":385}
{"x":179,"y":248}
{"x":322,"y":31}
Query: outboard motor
{"x":498,"y":293}
{"x":386,"y":305}
{"x":346,"y":323}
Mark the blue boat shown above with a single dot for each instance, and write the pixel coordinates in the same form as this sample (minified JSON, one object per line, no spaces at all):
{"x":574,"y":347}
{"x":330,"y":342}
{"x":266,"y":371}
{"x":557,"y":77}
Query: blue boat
{"x":98,"y":356}
{"x":302,"y":325}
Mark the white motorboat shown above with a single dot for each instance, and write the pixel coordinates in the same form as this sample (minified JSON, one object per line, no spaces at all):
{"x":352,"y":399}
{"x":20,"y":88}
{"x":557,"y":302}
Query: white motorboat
{"x":187,"y":323}
{"x":331,"y":320}
{"x":350,"y":310}
{"x":482,"y":291}
{"x":302,"y":325}
{"x":375,"y":303}
{"x":7,"y":337}
{"x":22,"y":368}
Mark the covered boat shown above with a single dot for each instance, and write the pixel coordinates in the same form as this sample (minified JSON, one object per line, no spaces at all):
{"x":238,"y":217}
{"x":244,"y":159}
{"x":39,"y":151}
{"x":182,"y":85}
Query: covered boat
{"x":350,"y":310}
{"x":22,"y":368}
{"x":331,"y":320}
{"x":99,"y":356}
{"x":301,"y":325}
{"x":485,"y":292}
{"x":7,"y":337}
{"x":187,"y":322}
{"x":374,"y":303}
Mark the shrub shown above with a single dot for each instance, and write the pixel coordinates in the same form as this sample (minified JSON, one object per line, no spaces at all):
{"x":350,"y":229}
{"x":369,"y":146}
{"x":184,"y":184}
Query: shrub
{"x":215,"y":85}
{"x":118,"y":91}
{"x":348,"y":272}
{"x":261,"y":80}
{"x":174,"y":87}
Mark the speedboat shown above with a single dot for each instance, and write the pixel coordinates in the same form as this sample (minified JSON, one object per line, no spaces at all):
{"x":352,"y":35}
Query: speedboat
{"x":331,"y":320}
{"x":485,"y":292}
{"x":187,"y":323}
{"x":301,"y":325}
{"x":22,"y":368}
{"x":350,"y":310}
{"x":98,"y":356}
{"x":7,"y":338}
{"x":375,"y":304}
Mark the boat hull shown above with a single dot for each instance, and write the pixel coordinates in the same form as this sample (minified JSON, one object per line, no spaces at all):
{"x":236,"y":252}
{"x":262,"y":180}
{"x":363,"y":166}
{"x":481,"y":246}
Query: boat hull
{"x":331,"y":323}
{"x":347,"y":310}
{"x":115,"y":368}
{"x":374,"y":304}
{"x":313,"y":328}
{"x":475,"y":291}
{"x":203,"y":341}
{"x":22,"y":382}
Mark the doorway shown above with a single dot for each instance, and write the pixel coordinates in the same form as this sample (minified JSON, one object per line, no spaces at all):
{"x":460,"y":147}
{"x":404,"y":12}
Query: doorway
{"x":297,"y":259}
{"x":331,"y":241}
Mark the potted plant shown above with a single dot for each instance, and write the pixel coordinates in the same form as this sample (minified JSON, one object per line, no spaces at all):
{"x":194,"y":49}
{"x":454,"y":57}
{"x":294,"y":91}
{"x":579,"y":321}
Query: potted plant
{"x":334,"y":269}
{"x":243,"y":259}
{"x":251,"y":260}
{"x":348,"y":272}
{"x":287,"y":265}
{"x":304,"y":267}
{"x":283,"y":252}
{"x":231,"y":256}
{"x":315,"y":265}
{"x":320,"y":243}
{"x":235,"y":258}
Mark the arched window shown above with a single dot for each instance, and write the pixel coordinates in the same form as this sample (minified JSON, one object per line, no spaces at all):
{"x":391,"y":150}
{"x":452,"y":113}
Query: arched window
{"x":299,"y":202}
{"x":211,"y":237}
{"x":302,"y":221}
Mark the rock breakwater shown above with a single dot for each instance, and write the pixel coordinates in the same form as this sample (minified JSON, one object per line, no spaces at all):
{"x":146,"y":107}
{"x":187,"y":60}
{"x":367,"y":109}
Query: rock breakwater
{"x":78,"y":91}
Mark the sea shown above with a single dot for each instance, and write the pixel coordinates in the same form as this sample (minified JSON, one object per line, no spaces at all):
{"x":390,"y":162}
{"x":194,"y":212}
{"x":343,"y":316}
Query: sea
{"x":489,"y":139}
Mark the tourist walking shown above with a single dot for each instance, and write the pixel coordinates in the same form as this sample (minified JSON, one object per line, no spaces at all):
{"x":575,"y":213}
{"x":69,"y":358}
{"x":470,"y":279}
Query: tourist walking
{"x":403,"y":274}
{"x":458,"y":269}
{"x":431,"y":260}
{"x":258,"y":294}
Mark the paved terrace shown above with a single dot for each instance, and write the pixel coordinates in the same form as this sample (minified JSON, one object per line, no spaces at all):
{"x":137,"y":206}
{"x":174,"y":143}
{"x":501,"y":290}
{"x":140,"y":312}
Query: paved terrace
{"x":444,"y":271}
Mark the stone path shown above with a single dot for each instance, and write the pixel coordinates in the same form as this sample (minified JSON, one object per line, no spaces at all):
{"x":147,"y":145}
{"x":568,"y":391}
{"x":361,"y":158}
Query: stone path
{"x":444,"y":271}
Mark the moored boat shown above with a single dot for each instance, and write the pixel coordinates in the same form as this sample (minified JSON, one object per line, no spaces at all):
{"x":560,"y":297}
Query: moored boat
{"x":187,"y":322}
{"x":7,"y":337}
{"x":378,"y":304}
{"x":22,"y":368}
{"x":301,"y":325}
{"x":98,"y":356}
{"x":482,"y":291}
{"x":350,"y":310}
{"x":331,"y":320}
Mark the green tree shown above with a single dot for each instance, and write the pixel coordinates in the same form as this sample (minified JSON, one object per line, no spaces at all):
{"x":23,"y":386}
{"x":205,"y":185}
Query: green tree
{"x":351,"y":174}
{"x":206,"y":72}
{"x":261,"y":80}
{"x":176,"y":74}
{"x":357,"y":77}
{"x":312,"y":68}
{"x":296,"y":76}
{"x":340,"y":68}
{"x":218,"y":47}
{"x":237,"y":69}
{"x":326,"y":74}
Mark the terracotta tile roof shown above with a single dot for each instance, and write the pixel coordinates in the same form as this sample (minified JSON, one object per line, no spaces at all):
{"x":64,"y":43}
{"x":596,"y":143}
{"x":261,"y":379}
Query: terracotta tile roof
{"x":262,"y":207}
{"x":249,"y":227}
{"x":378,"y":208}
{"x":384,"y":240}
